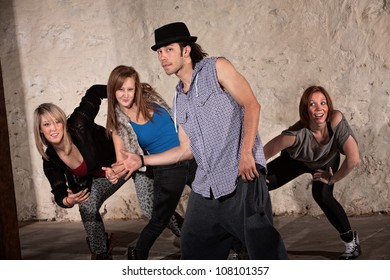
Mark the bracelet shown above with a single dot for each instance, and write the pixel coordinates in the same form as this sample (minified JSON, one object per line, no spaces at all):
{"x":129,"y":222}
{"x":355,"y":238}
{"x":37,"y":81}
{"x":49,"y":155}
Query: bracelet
{"x":142,"y":161}
{"x":69,"y":204}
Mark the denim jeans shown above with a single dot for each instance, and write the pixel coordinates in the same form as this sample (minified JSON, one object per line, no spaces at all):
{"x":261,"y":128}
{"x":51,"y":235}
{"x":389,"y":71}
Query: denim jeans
{"x":169,"y":183}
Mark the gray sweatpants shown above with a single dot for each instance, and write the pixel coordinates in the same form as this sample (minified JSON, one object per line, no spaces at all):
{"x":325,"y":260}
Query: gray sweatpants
{"x":211,"y":225}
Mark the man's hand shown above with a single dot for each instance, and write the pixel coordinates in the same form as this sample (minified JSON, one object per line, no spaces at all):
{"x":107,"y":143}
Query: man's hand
{"x":130,"y":164}
{"x":247,"y":167}
{"x":118,"y":168}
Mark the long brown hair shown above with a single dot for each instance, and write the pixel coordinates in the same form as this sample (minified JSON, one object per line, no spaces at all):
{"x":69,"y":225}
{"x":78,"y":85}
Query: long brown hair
{"x":55,"y":113}
{"x":303,"y":104}
{"x":115,"y":82}
{"x":197,"y":53}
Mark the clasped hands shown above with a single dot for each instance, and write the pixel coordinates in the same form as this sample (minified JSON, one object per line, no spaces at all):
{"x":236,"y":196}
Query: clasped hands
{"x":131,"y":163}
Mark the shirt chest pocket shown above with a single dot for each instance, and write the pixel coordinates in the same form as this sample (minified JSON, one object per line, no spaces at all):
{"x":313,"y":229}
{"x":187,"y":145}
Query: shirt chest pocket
{"x":215,"y":104}
{"x":181,"y":117}
{"x":203,"y":99}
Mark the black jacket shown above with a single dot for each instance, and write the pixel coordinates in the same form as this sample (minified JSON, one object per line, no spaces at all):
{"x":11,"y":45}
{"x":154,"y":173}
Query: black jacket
{"x":90,"y":138}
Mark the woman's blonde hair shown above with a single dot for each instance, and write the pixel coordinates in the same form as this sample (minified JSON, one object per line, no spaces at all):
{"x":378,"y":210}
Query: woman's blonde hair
{"x":55,"y":113}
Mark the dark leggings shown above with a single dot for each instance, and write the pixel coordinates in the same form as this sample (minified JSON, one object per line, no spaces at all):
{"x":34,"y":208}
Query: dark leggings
{"x":283,"y":169}
{"x":169,"y":183}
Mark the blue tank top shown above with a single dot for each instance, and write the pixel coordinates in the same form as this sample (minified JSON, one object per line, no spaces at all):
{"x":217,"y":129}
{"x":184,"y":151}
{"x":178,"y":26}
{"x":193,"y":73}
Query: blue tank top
{"x":158,"y":135}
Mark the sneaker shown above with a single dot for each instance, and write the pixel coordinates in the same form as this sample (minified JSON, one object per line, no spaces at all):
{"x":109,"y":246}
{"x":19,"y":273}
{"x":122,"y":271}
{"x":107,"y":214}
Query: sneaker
{"x":352,"y":249}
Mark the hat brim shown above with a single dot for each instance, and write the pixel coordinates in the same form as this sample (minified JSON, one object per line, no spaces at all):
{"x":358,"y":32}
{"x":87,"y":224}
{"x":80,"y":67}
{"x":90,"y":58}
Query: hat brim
{"x":187,"y":39}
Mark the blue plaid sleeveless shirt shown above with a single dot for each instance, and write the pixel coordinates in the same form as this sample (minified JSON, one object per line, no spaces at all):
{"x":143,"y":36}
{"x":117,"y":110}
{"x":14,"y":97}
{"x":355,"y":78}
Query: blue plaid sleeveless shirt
{"x":213,"y":121}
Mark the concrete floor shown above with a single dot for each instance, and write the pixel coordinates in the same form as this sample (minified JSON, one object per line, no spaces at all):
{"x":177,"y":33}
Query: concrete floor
{"x":306,"y":238}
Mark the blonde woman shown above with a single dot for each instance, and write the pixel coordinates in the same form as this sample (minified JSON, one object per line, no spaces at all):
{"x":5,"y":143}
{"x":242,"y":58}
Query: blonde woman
{"x":74,"y":150}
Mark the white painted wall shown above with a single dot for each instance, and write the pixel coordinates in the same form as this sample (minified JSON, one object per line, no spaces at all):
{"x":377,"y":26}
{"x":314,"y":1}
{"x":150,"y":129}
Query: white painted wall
{"x":53,"y":50}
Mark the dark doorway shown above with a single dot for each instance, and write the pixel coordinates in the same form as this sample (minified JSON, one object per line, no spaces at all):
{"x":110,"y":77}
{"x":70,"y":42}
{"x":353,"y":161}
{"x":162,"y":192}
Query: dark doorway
{"x":9,"y":229}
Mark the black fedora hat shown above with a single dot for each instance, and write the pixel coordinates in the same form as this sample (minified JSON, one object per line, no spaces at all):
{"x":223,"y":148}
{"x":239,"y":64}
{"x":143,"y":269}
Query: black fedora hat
{"x":172,"y":33}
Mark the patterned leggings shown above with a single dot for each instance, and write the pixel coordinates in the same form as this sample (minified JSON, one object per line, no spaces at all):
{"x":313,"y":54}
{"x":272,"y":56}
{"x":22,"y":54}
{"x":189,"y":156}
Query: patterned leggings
{"x":93,"y":223}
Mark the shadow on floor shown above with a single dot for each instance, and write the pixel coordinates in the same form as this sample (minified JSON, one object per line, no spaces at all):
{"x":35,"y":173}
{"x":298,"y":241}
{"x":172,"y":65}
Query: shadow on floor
{"x":306,"y":238}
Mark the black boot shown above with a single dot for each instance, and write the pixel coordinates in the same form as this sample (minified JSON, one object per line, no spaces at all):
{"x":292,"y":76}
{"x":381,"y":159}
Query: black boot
{"x":135,"y":254}
{"x":102,"y":256}
{"x":179,"y":219}
{"x":176,"y":224}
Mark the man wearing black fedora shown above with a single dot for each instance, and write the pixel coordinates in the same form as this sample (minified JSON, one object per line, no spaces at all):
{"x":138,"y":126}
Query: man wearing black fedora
{"x":217,"y":116}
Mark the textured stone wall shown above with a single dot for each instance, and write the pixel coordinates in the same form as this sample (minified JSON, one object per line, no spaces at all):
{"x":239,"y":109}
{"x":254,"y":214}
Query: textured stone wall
{"x":53,"y":50}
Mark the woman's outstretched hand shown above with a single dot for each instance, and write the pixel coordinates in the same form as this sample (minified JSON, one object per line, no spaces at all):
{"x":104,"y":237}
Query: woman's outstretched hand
{"x":75,"y":198}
